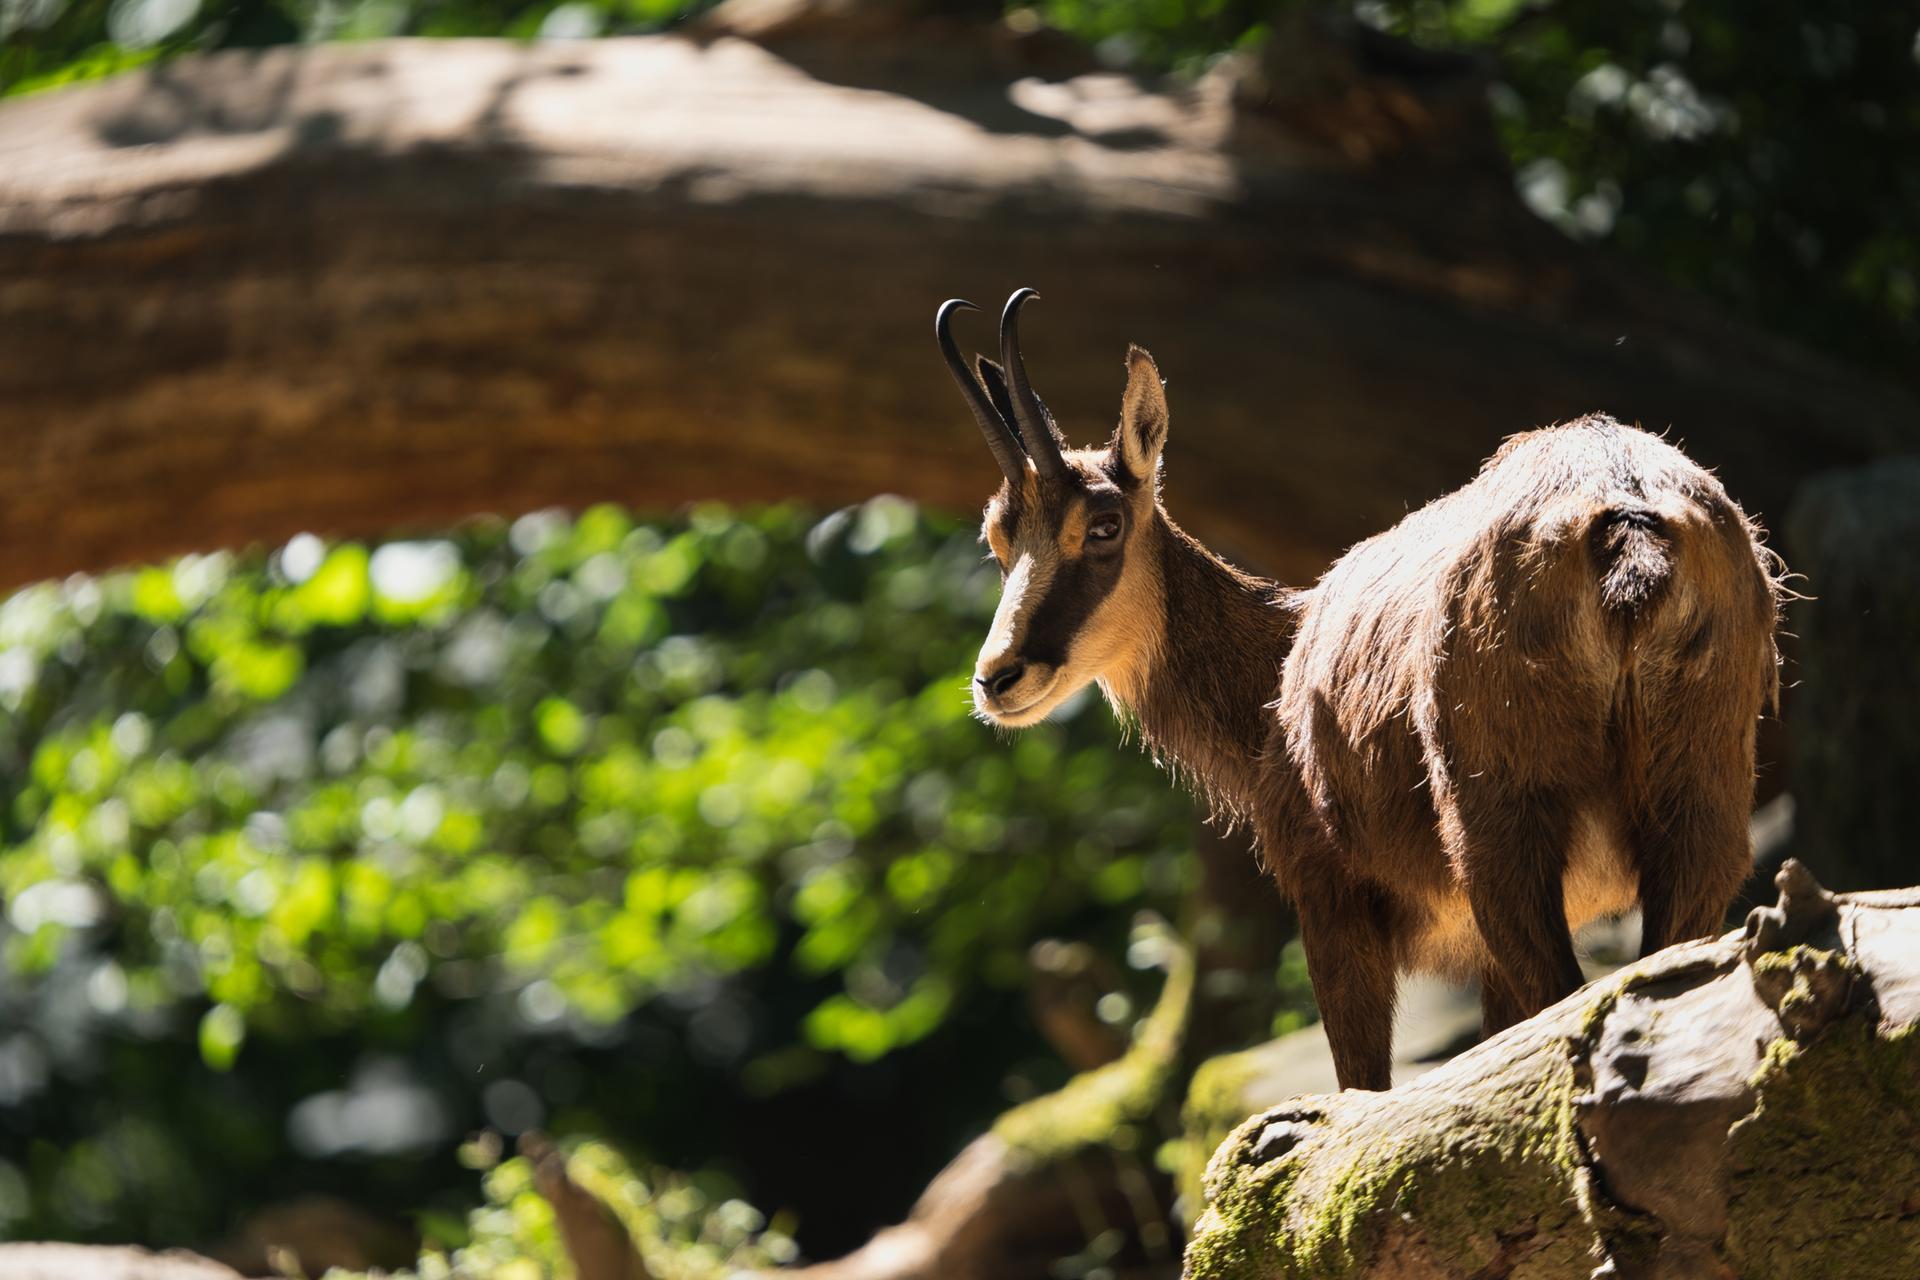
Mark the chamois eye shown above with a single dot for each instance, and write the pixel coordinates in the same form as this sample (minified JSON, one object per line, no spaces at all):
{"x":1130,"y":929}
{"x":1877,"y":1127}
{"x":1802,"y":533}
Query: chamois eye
{"x":1104,"y":528}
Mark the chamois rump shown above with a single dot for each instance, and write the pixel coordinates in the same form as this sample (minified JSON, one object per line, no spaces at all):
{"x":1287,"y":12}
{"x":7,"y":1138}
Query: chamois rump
{"x":1529,"y":704}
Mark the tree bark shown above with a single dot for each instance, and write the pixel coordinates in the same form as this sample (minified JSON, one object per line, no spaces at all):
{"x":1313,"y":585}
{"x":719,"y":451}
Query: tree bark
{"x":367,"y":287}
{"x":1748,"y":1106}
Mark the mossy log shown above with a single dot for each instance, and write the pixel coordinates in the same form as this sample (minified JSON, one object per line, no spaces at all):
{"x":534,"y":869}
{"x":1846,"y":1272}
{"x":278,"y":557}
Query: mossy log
{"x":1746,"y":1107}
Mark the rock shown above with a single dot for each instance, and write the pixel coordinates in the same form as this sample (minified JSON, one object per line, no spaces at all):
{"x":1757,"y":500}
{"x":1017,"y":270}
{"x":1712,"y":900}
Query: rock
{"x":1720,"y":1109}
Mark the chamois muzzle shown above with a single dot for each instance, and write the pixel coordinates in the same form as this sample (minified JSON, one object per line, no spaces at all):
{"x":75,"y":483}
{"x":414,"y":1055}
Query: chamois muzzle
{"x":1002,"y":681}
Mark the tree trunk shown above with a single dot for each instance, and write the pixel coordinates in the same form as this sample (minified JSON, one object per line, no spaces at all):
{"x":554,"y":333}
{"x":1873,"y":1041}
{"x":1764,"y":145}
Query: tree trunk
{"x":1856,"y":742}
{"x":1748,"y":1107}
{"x":364,"y":287}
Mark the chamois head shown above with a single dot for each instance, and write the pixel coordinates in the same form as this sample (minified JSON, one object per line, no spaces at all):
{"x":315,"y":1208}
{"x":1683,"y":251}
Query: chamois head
{"x":1074,"y":532}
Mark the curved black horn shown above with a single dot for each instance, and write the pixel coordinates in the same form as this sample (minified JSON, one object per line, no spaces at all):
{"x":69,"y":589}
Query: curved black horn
{"x":999,"y":433}
{"x":1029,"y":415}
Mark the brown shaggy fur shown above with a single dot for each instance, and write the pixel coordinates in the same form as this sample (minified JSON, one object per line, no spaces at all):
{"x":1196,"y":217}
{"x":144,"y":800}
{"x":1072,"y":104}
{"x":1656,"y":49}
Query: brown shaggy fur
{"x":1529,"y":704}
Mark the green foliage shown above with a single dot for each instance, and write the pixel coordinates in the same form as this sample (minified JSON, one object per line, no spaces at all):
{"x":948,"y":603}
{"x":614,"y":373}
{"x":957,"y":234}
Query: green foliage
{"x":1765,"y":160}
{"x":1183,"y":34}
{"x":565,"y":771}
{"x":683,"y":1228}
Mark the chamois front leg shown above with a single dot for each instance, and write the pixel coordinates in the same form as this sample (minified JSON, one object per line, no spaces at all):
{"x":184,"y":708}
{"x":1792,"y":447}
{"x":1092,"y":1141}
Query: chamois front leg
{"x":1510,"y":850}
{"x":1346,"y":931}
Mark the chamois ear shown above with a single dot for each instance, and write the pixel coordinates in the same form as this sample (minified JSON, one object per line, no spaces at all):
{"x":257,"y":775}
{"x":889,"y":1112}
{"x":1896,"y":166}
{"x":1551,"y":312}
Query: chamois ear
{"x":1142,"y":432}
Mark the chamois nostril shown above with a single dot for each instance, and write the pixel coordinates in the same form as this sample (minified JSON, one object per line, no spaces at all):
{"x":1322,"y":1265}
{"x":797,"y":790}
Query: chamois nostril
{"x":1002,"y":680}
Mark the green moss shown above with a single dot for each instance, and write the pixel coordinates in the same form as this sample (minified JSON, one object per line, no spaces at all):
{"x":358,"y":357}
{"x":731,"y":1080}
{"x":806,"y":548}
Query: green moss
{"x":1785,"y":962}
{"x":1791,"y":966}
{"x":1510,"y":1172}
{"x":1111,"y":1105}
{"x":1216,"y":1104}
{"x":1594,"y":1019}
{"x":1461,"y":1186}
{"x":1809,"y":987}
{"x":1462,"y":1190}
{"x":1826,"y":1170}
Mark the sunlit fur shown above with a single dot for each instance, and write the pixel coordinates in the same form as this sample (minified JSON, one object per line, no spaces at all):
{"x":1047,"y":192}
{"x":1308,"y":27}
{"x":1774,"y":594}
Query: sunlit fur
{"x":1530,"y":703}
{"x":1115,"y":642}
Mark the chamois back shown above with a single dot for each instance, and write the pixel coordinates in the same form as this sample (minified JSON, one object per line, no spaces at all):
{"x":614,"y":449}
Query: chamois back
{"x":1587,"y":608}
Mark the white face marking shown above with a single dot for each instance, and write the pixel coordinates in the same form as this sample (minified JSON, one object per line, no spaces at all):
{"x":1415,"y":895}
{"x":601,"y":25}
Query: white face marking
{"x":1113,"y":644}
{"x":1024,"y":701}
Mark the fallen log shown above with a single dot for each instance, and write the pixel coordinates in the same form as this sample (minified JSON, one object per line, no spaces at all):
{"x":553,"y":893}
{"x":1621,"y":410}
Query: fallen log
{"x":366,"y":287}
{"x":1741,"y":1107}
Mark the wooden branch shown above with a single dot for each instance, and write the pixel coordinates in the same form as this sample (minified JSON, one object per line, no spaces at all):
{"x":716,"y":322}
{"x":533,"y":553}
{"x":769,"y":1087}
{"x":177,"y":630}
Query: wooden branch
{"x":1065,"y":983}
{"x":1063,"y":1175}
{"x":596,"y":1242}
{"x":105,"y":1262}
{"x":361,"y":287}
{"x":1748,"y":1106}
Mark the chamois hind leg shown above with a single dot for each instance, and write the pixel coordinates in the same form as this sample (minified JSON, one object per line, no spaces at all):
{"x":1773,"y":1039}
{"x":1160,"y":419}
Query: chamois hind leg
{"x":1499,"y":1007}
{"x":1510,"y":850}
{"x":1690,"y":848}
{"x":1347,"y":932}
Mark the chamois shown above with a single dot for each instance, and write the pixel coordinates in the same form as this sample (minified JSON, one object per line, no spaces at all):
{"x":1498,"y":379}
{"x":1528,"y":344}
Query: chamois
{"x":1529,"y":704}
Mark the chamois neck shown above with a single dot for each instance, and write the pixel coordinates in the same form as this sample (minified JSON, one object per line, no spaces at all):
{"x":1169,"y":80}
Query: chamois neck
{"x":1202,"y":706}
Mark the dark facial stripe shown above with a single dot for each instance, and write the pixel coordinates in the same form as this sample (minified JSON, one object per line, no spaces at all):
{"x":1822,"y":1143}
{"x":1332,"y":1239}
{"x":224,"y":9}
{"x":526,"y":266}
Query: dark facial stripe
{"x":1078,"y":587}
